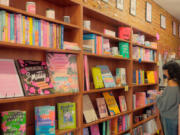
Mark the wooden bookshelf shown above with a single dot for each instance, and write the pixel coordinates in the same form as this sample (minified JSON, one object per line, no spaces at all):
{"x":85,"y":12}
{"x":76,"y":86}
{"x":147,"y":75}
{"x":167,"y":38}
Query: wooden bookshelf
{"x":73,"y":32}
{"x":146,"y":84}
{"x":143,"y":46}
{"x":143,"y":107}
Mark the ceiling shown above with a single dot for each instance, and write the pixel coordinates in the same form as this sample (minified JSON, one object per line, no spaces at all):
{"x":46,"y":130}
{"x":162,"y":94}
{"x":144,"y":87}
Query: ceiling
{"x":171,"y":6}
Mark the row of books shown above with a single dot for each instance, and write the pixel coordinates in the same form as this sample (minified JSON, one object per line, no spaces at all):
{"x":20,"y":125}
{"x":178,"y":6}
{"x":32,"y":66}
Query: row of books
{"x":93,"y":43}
{"x":109,"y":127}
{"x":26,"y":77}
{"x":107,"y":100}
{"x":142,"y":77}
{"x":147,"y":128}
{"x":141,"y":99}
{"x":142,"y":54}
{"x":44,"y":119}
{"x":140,"y":39}
{"x":18,"y":28}
{"x":102,"y":76}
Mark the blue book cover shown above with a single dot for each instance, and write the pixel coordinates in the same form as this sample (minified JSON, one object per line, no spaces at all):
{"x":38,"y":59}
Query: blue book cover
{"x":34,"y":29}
{"x":85,"y":131}
{"x":45,"y":120}
{"x":39,"y":29}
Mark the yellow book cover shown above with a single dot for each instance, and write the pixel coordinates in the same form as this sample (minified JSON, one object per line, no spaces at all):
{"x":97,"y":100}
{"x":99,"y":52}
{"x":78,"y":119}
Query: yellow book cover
{"x":6,"y":28}
{"x":111,"y":103}
{"x":97,"y":77}
{"x":54,"y":33}
{"x":30,"y":31}
{"x":150,"y":77}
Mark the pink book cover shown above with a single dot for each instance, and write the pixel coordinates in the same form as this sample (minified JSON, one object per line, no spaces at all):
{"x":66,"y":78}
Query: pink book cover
{"x":155,"y":76}
{"x":122,"y":103}
{"x":86,"y":70}
{"x":9,"y":27}
{"x":48,"y":33}
{"x":10,"y":85}
{"x":94,"y":130}
{"x":140,"y":99}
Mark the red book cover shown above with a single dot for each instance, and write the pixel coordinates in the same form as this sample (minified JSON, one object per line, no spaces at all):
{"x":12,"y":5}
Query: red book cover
{"x":140,"y":99}
{"x":124,"y":33}
{"x":95,"y":130}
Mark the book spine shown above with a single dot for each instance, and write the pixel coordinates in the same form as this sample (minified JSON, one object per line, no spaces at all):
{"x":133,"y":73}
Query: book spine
{"x":86,"y":66}
{"x":39,"y":29}
{"x":62,"y":36}
{"x":30,"y":31}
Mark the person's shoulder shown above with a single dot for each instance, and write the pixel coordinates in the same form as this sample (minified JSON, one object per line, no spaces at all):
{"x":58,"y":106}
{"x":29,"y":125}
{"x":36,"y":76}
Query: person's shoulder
{"x":173,"y":89}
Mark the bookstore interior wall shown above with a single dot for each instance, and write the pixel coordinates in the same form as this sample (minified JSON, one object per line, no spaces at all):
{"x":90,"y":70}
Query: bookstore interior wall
{"x":167,"y":39}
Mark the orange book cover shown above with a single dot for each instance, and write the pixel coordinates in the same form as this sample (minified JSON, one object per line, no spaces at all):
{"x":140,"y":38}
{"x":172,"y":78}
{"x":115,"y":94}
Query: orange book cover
{"x":114,"y":126}
{"x":140,"y":99}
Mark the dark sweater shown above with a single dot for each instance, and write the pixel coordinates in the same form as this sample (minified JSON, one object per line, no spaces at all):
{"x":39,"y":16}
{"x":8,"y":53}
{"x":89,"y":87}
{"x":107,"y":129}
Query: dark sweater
{"x":169,"y":102}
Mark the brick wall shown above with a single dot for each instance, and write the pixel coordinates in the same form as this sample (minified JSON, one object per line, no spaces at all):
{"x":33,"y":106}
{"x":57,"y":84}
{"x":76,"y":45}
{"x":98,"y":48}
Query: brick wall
{"x":167,"y":40}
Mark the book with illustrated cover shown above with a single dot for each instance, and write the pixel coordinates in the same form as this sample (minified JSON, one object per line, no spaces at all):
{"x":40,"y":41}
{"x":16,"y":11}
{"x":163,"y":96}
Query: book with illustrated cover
{"x":45,"y":120}
{"x":102,"y":107}
{"x":122,"y":103}
{"x":97,"y":77}
{"x":140,"y":99}
{"x":124,"y":49}
{"x":63,"y":72}
{"x":34,"y":77}
{"x":10,"y":85}
{"x":121,"y":73}
{"x":13,"y":122}
{"x":88,"y":110}
{"x":111,"y":103}
{"x":66,"y":115}
{"x":95,"y":129}
{"x":107,"y":76}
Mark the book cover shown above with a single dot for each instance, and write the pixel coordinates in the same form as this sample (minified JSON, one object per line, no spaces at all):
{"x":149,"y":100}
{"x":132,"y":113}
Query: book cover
{"x":120,"y":124}
{"x":94,"y":129}
{"x":86,"y":131}
{"x":107,"y":76}
{"x":97,"y":77}
{"x":88,"y":110}
{"x":124,"y":33}
{"x":63,"y":72}
{"x":86,"y":71}
{"x":106,"y":47}
{"x":90,"y":41}
{"x":102,"y":107}
{"x":150,"y":77}
{"x":10,"y":85}
{"x":122,"y":103}
{"x":124,"y":49}
{"x":140,"y":99}
{"x":45,"y":120}
{"x":34,"y":77}
{"x":13,"y":122}
{"x":111,"y":103}
{"x":114,"y":126}
{"x":66,"y":115}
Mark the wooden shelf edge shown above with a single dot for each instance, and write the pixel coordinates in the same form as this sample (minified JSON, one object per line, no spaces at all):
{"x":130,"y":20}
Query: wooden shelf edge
{"x":122,"y":132}
{"x":105,"y":119}
{"x":62,"y":132}
{"x":106,"y":56}
{"x":104,"y":35}
{"x":143,"y":46}
{"x":147,"y":84}
{"x":30,"y":98}
{"x":144,"y":121}
{"x":102,"y":90}
{"x":33,"y":47}
{"x":148,"y":62}
{"x":140,"y":108}
{"x":20,"y":11}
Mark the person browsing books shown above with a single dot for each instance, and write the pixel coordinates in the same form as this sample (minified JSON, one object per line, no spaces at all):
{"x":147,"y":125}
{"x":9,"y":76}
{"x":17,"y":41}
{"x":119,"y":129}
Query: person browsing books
{"x":169,"y":100}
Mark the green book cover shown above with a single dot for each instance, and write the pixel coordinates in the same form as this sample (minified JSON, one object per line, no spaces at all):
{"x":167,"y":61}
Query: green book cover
{"x":13,"y":122}
{"x":66,"y":115}
{"x":104,"y":128}
{"x":108,"y":128}
{"x":124,"y":49}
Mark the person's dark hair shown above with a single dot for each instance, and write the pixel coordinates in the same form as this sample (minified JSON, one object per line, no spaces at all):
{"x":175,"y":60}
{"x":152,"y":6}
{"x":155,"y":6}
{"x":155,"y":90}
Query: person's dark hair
{"x":173,"y":69}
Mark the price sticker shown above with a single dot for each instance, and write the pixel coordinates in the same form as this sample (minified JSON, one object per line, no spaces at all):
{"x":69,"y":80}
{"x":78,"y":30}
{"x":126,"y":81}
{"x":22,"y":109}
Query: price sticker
{"x":126,"y":88}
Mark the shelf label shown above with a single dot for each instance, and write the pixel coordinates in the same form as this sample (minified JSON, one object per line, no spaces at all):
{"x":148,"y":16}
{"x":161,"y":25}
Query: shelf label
{"x":126,"y":88}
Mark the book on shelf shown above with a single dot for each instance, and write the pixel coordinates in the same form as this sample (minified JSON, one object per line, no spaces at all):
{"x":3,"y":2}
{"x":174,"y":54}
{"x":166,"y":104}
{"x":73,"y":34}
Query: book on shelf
{"x":63,"y":72}
{"x":34,"y":77}
{"x":111,"y":103}
{"x":107,"y":76}
{"x":102,"y":107}
{"x":150,"y":127}
{"x":121,"y":73}
{"x":9,"y":122}
{"x":66,"y":115}
{"x":71,"y":46}
{"x":106,"y":47}
{"x":71,"y":133}
{"x":110,"y":32}
{"x":140,"y":99}
{"x":86,"y":131}
{"x":99,"y":45}
{"x":122,"y":103}
{"x":152,"y":76}
{"x":114,"y":126}
{"x":18,"y":28}
{"x":88,"y":110}
{"x":45,"y":120}
{"x":95,"y":129}
{"x":89,"y":43}
{"x":124,"y":33}
{"x":86,"y":73}
{"x":124,"y":49}
{"x":10,"y":85}
{"x":97,"y":77}
{"x":138,"y":130}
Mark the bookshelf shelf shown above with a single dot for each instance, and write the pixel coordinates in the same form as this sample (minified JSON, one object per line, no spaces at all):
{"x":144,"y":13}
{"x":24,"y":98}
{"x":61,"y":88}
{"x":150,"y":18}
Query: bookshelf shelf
{"x":30,"y":98}
{"x":143,"y":46}
{"x":145,"y":62}
{"x":106,"y":56}
{"x":122,"y":132}
{"x":104,"y":35}
{"x":105,"y":119}
{"x":146,"y":84}
{"x":32,"y":47}
{"x":144,"y":121}
{"x":19,"y":11}
{"x":102,"y":90}
{"x":62,"y":132}
{"x":140,"y":108}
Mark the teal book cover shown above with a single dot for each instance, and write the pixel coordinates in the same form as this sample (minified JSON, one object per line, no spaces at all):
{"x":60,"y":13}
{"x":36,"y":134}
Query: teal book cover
{"x":124,"y":49}
{"x":66,"y":115}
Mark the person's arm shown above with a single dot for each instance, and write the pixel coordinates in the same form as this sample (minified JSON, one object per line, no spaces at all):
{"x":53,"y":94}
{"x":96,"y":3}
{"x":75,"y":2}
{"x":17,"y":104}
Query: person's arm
{"x":166,"y":100}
